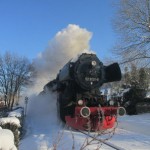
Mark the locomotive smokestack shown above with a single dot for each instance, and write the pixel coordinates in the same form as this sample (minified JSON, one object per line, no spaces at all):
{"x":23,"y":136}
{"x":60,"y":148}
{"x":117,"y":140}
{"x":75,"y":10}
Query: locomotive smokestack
{"x":112,"y":73}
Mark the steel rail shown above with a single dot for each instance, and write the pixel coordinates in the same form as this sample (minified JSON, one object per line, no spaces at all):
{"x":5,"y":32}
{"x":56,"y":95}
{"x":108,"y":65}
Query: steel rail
{"x":102,"y":141}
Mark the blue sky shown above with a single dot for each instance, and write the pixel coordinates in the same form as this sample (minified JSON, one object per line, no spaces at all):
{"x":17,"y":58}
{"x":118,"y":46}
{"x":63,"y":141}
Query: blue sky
{"x":26,"y":26}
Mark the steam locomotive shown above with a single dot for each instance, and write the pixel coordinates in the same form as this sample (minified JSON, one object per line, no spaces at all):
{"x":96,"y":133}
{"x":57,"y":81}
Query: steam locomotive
{"x":80,"y":103}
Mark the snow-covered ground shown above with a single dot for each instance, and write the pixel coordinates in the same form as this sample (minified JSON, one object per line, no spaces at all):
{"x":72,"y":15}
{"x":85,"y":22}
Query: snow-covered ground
{"x":43,"y":130}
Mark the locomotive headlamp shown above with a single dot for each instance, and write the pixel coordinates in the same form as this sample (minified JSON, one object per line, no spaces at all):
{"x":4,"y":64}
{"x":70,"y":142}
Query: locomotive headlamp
{"x":111,"y":102}
{"x":80,"y":102}
{"x":93,"y":63}
{"x":121,"y":111}
{"x":85,"y":112}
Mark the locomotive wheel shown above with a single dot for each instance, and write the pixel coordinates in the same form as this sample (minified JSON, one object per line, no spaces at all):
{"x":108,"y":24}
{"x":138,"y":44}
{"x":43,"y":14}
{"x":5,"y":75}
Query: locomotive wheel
{"x":60,"y":108}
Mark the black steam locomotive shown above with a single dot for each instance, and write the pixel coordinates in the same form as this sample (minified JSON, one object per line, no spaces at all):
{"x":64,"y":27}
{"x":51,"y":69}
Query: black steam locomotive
{"x":79,"y":98}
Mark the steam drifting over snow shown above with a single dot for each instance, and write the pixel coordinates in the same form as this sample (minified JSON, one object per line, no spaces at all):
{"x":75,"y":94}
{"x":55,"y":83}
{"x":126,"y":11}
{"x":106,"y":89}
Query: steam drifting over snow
{"x":42,"y":111}
{"x":66,"y":44}
{"x":42,"y":122}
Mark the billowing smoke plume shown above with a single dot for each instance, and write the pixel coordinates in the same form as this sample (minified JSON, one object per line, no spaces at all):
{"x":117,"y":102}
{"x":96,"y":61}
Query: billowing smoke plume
{"x":66,"y":44}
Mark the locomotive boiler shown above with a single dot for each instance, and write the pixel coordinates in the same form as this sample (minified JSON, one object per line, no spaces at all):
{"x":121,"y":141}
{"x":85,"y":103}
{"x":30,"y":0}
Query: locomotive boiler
{"x":80,"y":103}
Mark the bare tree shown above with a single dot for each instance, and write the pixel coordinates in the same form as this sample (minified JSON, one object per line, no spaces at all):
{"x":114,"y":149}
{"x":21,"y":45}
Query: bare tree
{"x":15,"y":73}
{"x":132,"y":22}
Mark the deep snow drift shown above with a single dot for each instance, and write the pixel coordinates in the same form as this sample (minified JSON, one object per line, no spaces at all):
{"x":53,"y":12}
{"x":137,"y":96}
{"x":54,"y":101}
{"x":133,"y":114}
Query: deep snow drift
{"x":44,"y":130}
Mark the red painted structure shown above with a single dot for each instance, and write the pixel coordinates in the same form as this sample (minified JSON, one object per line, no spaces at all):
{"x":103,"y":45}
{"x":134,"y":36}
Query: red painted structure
{"x":100,"y":118}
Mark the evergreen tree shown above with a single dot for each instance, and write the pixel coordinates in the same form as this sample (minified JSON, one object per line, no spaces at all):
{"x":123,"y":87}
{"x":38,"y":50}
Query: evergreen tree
{"x":134,"y":80}
{"x":126,"y":77}
{"x":143,"y":79}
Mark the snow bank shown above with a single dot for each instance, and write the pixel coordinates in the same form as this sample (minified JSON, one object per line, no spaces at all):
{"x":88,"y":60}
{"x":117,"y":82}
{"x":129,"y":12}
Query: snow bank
{"x":6,"y":140}
{"x":11,"y":120}
{"x":16,"y":113}
{"x":136,"y":123}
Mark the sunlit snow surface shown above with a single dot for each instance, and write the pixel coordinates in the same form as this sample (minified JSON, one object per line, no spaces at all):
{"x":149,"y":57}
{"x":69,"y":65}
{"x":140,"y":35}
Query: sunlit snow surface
{"x":6,"y":140}
{"x":43,"y":130}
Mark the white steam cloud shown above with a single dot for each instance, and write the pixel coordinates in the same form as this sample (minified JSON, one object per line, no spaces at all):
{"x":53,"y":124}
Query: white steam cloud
{"x":41,"y":112}
{"x":66,"y":44}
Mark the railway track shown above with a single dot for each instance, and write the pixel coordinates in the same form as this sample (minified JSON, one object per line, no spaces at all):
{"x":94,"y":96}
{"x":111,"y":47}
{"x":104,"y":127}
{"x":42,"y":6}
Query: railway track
{"x":102,"y":141}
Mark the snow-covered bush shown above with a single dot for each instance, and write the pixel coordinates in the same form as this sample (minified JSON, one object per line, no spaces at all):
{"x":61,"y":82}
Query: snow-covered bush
{"x":13,"y":124}
{"x":6,"y":140}
{"x":10,"y":120}
{"x":18,"y":113}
